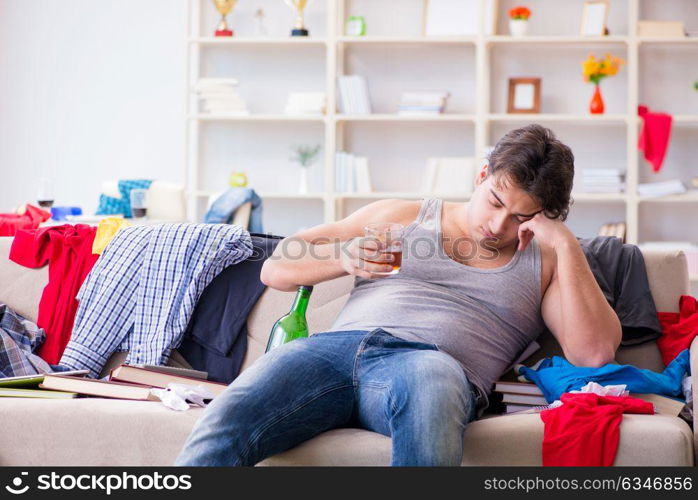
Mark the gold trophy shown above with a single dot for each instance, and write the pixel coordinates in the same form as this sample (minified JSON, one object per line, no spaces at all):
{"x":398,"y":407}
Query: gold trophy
{"x":224,"y":7}
{"x":298,"y":6}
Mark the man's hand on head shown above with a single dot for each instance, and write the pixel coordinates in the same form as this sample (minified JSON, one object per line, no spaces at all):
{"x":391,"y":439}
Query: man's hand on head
{"x":549,"y":232}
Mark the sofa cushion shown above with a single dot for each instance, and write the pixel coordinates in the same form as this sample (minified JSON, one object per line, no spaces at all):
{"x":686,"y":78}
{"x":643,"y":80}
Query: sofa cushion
{"x":657,"y":440}
{"x":97,"y":431}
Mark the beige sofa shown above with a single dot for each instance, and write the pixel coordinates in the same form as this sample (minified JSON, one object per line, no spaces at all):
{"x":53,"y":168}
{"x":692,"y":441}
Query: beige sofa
{"x":112,"y":432}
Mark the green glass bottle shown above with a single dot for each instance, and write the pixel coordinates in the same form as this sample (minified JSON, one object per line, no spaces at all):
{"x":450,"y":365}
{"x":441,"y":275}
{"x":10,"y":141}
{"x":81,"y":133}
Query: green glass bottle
{"x":293,"y":325}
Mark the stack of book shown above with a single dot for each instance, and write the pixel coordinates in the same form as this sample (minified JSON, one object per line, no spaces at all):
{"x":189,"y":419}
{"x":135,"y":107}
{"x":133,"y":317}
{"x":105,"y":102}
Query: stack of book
{"x":525,"y":397}
{"x":423,"y":103}
{"x":353,"y":95}
{"x":124,"y":382}
{"x":351,"y":174}
{"x":220,"y":96}
{"x":663,"y":188}
{"x":305,"y":103}
{"x":520,"y":396}
{"x":602,"y":180}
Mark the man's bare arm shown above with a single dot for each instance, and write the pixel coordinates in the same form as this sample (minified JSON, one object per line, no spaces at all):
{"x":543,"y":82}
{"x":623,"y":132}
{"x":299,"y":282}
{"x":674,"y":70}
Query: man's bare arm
{"x":577,"y":313}
{"x":327,"y":251}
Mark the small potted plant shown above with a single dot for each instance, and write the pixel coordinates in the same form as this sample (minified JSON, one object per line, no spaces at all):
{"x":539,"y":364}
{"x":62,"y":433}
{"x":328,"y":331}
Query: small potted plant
{"x":304,"y":156}
{"x":595,"y":70}
{"x":518,"y":20}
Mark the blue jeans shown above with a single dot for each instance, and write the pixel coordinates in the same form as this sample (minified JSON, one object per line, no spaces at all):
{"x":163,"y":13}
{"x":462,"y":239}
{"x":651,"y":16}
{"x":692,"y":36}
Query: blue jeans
{"x":409,"y":391}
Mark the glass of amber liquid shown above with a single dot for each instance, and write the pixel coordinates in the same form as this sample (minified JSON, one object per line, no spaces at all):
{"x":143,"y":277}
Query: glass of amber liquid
{"x":388,"y":235}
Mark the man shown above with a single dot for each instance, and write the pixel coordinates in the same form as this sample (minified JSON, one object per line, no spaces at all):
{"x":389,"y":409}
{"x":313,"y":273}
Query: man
{"x":413,"y":355}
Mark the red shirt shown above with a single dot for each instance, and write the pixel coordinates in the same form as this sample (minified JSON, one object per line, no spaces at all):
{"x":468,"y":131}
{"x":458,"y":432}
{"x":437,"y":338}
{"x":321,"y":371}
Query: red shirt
{"x":585,"y":430}
{"x":11,"y":223}
{"x":68,"y":251}
{"x":678,"y":329}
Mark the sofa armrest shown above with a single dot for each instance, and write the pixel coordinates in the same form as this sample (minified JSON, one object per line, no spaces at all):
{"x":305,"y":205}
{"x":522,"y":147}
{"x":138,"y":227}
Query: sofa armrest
{"x":694,"y":380}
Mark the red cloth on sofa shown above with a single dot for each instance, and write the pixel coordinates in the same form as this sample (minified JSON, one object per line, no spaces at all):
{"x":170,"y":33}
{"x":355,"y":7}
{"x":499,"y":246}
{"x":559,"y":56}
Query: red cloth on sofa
{"x":654,"y":136}
{"x":11,"y":223}
{"x":585,"y":430}
{"x":678,"y":329}
{"x":67,"y":249}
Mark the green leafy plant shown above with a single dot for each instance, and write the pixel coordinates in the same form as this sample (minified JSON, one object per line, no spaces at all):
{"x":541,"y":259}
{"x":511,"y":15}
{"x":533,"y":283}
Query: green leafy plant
{"x":305,"y":155}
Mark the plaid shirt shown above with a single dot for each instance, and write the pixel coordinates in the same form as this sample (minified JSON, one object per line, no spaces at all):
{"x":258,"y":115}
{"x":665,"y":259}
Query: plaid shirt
{"x":19,"y":337}
{"x":140,"y":294}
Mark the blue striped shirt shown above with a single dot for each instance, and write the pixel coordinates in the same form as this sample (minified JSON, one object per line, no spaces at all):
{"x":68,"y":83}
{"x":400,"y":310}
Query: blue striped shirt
{"x":140,"y":294}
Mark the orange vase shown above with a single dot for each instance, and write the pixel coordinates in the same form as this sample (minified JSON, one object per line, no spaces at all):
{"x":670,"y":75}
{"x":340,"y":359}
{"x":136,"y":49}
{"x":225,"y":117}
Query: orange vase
{"x":596,"y":106}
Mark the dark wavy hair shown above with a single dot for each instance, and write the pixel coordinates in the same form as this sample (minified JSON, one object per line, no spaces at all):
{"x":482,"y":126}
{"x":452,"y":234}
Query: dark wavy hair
{"x":538,"y":163}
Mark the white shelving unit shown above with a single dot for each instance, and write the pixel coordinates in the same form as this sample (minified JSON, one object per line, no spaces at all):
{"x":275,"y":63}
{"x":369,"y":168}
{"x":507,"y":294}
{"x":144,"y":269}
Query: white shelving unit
{"x":477,"y":67}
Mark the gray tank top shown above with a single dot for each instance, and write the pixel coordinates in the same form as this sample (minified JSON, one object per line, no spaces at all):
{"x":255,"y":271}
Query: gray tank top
{"x":484,"y":318}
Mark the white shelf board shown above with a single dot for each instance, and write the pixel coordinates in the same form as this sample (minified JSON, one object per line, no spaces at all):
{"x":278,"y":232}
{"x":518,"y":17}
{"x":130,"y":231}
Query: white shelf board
{"x":232,"y":41}
{"x":258,"y":118}
{"x":690,"y":197}
{"x":557,"y":117}
{"x":551,"y":40}
{"x":272,"y":195}
{"x":379,"y":195}
{"x":427,"y":40}
{"x":666,"y":39}
{"x":577,"y":197}
{"x":387,"y":117}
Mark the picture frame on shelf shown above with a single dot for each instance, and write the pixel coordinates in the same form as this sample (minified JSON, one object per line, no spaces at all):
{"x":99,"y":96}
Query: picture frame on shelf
{"x":594,"y":18}
{"x":450,"y":18}
{"x":524,"y":95}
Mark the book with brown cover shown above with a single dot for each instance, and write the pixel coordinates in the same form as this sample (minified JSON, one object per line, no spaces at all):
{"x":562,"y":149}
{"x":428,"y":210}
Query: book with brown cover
{"x":99,"y":388}
{"x":145,"y":376}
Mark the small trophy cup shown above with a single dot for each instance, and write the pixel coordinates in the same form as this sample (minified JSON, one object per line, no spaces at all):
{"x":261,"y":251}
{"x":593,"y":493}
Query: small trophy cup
{"x":224,"y":7}
{"x":298,"y":6}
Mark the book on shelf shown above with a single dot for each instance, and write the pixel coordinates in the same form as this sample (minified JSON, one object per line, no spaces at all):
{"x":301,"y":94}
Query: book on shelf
{"x":98,"y":388}
{"x":663,"y":188}
{"x":143,"y":376}
{"x":26,"y":381}
{"x":13,"y":392}
{"x":602,"y":180}
{"x":423,"y":103}
{"x":306,"y":103}
{"x":352,"y":173}
{"x":353,"y":95}
{"x":219,"y":95}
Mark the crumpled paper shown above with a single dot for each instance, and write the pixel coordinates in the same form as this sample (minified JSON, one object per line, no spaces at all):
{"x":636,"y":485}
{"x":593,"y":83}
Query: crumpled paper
{"x":605,"y":390}
{"x":175,"y":396}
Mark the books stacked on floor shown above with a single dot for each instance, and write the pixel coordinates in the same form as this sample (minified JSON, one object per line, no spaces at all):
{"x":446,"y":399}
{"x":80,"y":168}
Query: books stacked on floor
{"x":220,"y":96}
{"x":616,"y":229}
{"x":520,"y":396}
{"x":663,"y":188}
{"x":353,"y":95}
{"x":423,"y":103}
{"x":602,"y":180}
{"x":305,"y":103}
{"x":352,"y":174}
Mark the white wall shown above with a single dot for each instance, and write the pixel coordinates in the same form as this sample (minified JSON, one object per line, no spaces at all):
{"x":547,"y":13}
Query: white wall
{"x":89,"y":91}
